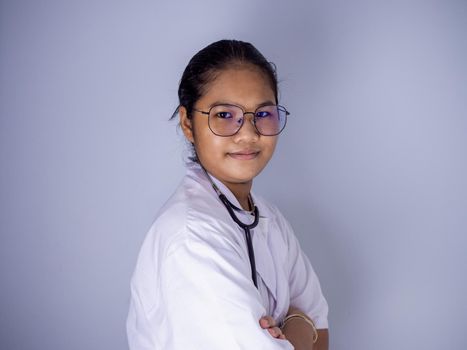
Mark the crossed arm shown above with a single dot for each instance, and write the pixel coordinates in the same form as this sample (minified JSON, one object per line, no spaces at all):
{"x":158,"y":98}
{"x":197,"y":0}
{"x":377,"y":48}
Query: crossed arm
{"x":210,"y":282}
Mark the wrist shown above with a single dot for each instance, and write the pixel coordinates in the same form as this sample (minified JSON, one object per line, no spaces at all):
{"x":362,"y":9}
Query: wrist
{"x":304,"y":319}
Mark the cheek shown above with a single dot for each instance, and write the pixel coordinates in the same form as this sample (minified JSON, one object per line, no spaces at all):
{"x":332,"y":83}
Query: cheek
{"x":271,"y":145}
{"x":206,"y":143}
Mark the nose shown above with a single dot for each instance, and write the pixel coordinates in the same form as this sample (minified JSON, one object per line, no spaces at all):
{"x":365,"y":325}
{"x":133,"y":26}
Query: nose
{"x":248,"y":131}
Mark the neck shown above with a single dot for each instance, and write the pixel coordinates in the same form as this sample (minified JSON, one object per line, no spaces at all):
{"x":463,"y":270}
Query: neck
{"x":241,"y":191}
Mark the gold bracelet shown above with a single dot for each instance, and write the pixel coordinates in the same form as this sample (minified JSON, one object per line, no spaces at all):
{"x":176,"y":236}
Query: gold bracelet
{"x":307,"y":320}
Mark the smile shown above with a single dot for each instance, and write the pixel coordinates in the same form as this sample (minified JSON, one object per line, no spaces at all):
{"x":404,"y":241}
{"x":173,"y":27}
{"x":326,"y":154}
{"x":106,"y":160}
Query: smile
{"x":244,"y":155}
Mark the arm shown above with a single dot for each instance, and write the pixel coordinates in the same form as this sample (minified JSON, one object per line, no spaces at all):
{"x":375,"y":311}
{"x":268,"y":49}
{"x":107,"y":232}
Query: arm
{"x":297,"y":332}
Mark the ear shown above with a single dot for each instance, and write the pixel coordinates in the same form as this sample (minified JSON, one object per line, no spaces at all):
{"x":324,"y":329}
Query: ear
{"x":186,"y":124}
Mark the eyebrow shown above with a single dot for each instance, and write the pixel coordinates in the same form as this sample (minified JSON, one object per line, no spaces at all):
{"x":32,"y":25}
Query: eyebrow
{"x":225,"y":102}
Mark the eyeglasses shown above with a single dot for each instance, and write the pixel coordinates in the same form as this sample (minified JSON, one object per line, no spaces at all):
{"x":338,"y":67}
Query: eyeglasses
{"x":226,"y":120}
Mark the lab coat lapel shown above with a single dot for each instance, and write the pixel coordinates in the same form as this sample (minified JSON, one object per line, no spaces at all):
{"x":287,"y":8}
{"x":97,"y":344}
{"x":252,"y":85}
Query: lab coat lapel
{"x":264,"y":261}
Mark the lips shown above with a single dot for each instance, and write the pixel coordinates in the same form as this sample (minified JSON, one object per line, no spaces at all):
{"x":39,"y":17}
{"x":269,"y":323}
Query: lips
{"x":244,"y":154}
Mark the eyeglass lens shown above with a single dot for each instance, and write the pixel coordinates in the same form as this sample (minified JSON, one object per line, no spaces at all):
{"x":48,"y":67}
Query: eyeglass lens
{"x":226,"y":120}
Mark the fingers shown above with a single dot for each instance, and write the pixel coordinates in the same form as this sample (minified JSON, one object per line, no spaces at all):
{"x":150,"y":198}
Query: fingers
{"x":267,"y":322}
{"x":276,"y":332}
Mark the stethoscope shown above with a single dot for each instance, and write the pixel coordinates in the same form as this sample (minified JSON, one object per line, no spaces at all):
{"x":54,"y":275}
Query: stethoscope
{"x":231,"y":208}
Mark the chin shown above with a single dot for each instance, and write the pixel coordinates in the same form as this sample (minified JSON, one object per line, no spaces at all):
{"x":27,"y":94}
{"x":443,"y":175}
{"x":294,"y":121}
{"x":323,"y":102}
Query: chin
{"x":243,"y":177}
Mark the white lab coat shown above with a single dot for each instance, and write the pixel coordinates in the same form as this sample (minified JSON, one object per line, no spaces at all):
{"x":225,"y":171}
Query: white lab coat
{"x":192,"y":286}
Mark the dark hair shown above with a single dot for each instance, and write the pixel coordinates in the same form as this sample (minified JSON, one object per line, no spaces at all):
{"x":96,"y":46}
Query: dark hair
{"x":207,"y":63}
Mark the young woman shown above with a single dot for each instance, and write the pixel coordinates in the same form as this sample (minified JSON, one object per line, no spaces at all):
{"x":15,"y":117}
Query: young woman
{"x":221,"y":268}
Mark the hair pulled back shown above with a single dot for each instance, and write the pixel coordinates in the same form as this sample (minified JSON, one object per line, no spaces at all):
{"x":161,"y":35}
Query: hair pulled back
{"x":210,"y":61}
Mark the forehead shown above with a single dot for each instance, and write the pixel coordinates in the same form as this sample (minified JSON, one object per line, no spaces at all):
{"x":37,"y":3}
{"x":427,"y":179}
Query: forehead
{"x":244,"y":85}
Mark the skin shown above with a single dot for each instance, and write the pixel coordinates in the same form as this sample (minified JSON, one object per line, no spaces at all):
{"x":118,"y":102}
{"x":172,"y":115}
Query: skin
{"x":300,"y":333}
{"x":297,"y":332}
{"x":236,"y":160}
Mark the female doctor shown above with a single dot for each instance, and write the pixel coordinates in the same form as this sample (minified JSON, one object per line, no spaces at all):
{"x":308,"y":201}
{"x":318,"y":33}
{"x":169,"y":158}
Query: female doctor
{"x":221,"y":267}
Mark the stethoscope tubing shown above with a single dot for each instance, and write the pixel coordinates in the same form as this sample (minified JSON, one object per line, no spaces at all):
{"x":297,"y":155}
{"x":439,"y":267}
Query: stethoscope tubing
{"x":246,"y":227}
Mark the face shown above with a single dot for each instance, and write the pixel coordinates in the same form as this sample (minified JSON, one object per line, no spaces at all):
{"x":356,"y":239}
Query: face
{"x":239,"y":158}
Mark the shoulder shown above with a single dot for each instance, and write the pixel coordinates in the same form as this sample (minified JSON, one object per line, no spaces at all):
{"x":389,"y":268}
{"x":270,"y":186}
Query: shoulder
{"x":190,"y":218}
{"x":269,"y":209}
{"x":275,"y":217}
{"x":192,"y":214}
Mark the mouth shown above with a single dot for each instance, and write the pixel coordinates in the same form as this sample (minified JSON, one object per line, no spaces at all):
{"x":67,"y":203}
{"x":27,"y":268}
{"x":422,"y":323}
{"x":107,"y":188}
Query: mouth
{"x":244,"y":154}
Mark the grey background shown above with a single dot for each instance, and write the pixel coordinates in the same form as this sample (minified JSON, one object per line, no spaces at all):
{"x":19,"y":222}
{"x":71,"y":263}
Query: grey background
{"x":371,"y":171}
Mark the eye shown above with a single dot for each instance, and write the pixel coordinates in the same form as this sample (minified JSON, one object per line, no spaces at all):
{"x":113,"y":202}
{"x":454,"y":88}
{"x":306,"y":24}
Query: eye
{"x":224,"y":115}
{"x":262,"y":114}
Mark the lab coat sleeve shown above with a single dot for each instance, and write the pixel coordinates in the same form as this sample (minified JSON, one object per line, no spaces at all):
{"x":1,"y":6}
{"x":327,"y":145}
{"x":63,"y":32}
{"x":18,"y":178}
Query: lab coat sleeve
{"x":210,"y":300}
{"x":305,"y":289}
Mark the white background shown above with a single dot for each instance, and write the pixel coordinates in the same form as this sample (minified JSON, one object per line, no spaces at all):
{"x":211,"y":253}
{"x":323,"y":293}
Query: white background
{"x":371,"y":170}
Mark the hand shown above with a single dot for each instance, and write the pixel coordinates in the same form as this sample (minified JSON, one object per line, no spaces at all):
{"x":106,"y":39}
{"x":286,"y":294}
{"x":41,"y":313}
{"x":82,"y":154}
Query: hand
{"x":267,"y":322}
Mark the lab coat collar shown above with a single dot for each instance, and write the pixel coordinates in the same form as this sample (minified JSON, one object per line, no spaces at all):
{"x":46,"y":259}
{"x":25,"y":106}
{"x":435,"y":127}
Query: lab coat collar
{"x":195,"y":167}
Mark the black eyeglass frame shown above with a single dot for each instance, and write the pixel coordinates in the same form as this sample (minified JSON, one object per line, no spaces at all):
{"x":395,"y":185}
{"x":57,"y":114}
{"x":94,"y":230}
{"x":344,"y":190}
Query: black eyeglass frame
{"x":279,"y":107}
